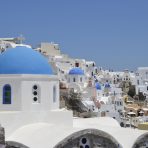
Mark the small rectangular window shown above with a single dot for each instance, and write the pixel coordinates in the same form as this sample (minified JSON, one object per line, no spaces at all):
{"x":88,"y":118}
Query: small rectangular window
{"x":120,"y":103}
{"x":54,"y":94}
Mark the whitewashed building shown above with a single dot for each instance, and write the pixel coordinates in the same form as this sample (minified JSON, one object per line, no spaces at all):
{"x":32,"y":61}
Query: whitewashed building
{"x":142,"y":80}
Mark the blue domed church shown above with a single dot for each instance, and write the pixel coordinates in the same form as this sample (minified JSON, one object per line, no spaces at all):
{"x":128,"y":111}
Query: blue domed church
{"x":29,"y":97}
{"x":76,"y":78}
{"x":26,"y":81}
{"x":76,"y":75}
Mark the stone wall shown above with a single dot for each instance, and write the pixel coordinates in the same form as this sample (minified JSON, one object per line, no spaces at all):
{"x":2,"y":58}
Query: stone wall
{"x":89,"y":138}
{"x":2,"y":137}
{"x":12,"y":144}
{"x":142,"y":141}
{"x":9,"y":144}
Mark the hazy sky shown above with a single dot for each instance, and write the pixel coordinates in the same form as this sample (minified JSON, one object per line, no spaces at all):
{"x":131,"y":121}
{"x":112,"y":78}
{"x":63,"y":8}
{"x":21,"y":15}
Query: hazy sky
{"x":113,"y":33}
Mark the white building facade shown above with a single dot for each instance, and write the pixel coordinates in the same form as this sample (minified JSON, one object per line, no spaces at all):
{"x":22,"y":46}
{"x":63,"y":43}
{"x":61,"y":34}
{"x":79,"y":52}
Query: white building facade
{"x":142,"y":80}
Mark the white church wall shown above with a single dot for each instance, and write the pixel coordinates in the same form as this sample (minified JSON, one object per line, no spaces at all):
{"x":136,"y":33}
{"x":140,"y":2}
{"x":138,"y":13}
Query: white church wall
{"x":45,"y":95}
{"x":28,"y":102}
{"x":76,"y":78}
{"x":54,"y":98}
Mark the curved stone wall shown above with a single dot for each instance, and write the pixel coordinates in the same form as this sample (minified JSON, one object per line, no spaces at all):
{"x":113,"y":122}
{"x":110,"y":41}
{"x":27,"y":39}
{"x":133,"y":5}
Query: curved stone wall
{"x":89,"y":138}
{"x":13,"y":144}
{"x":141,"y":141}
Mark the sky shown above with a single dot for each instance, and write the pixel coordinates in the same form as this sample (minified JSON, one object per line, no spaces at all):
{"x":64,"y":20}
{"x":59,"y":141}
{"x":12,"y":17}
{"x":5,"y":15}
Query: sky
{"x":113,"y":33}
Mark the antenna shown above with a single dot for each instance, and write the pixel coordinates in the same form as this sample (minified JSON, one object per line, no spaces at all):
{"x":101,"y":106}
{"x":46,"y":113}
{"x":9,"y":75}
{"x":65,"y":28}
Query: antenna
{"x":20,"y":39}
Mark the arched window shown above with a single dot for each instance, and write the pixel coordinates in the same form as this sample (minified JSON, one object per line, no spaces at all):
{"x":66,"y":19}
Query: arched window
{"x":54,"y":94}
{"x":7,"y":94}
{"x":74,"y":80}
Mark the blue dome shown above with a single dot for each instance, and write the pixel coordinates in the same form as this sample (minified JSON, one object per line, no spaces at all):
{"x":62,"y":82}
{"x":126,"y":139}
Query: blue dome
{"x":76,"y":71}
{"x":98,"y":86}
{"x":107,"y":85}
{"x":23,"y":60}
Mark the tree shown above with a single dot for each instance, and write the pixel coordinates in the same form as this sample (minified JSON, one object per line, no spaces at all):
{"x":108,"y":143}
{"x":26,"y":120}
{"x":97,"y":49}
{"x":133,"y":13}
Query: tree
{"x":141,"y":96}
{"x":125,"y":85}
{"x":73,"y":102}
{"x":132,"y":91}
